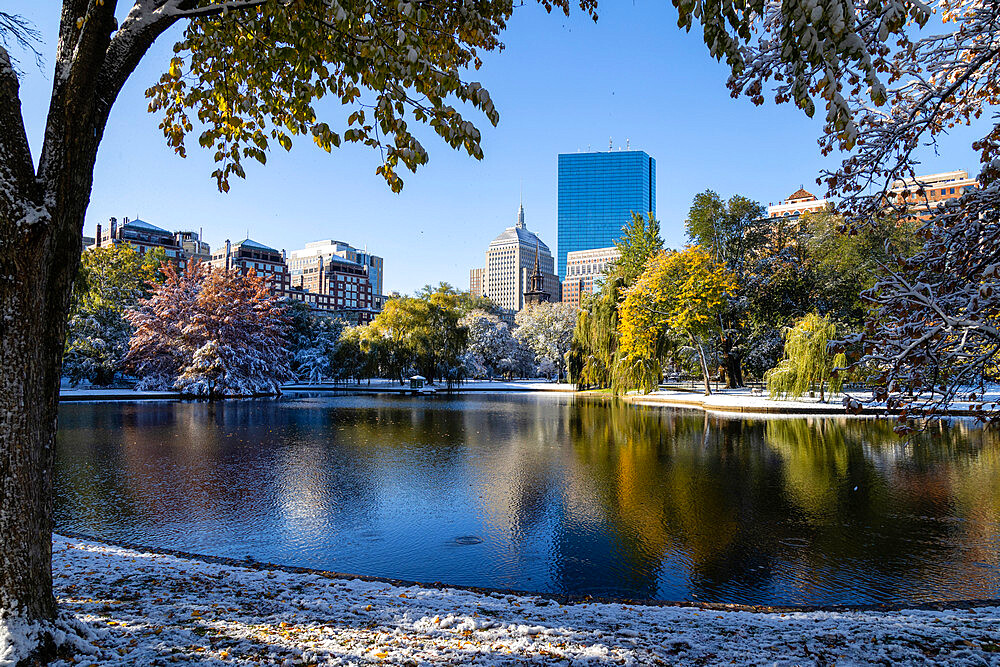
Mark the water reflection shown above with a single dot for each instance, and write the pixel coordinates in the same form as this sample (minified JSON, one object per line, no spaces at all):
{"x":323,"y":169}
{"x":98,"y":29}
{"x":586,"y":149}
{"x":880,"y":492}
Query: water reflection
{"x":566,"y":494}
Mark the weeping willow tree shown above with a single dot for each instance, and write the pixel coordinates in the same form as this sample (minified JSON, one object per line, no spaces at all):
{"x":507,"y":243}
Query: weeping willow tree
{"x":592,"y":358}
{"x":808,"y":364}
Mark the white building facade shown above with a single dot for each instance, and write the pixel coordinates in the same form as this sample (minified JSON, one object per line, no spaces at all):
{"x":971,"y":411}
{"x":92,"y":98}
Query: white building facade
{"x":510,"y":260}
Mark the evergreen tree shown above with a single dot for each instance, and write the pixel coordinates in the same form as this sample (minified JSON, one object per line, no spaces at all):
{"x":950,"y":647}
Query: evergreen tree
{"x":640,"y":241}
{"x":313,"y":341}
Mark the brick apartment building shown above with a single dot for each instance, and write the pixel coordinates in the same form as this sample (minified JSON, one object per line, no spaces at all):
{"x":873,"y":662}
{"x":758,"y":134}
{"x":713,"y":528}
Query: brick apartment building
{"x":918,"y":197}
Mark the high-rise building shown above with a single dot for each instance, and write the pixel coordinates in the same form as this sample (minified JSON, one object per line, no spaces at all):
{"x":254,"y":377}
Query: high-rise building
{"x":476,"y":281}
{"x":510,"y":261}
{"x":598,"y":193}
{"x":922,"y":194}
{"x":337,"y":272}
{"x":583,"y":268}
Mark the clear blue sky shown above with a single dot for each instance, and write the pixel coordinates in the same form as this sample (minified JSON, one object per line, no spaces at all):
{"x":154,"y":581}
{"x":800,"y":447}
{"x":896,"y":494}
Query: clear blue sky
{"x":561,"y":85}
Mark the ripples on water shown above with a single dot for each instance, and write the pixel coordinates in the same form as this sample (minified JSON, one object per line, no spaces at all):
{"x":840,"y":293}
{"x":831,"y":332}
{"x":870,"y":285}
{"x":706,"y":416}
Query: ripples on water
{"x":546,"y":493}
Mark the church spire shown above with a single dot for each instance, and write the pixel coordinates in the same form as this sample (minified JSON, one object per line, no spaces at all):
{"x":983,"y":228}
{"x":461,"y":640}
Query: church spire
{"x":536,"y":284}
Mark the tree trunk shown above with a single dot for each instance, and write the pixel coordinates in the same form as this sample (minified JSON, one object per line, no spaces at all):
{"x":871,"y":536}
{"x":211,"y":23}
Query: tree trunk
{"x":41,"y":220}
{"x":34,"y":304}
{"x":733,"y":363}
{"x":704,"y":364}
{"x":734,"y":370}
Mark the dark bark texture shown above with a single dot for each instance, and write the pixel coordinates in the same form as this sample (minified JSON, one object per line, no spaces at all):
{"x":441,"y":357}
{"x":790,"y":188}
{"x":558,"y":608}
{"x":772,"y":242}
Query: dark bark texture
{"x":41,"y":221}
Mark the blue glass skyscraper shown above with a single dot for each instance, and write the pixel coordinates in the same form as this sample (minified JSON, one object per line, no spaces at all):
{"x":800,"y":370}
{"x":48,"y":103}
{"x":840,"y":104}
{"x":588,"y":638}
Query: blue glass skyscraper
{"x":598,"y":192}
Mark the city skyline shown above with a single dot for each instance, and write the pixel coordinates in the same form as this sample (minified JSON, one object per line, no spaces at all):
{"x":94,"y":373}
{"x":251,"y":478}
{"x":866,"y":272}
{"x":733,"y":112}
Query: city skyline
{"x":433,"y":230}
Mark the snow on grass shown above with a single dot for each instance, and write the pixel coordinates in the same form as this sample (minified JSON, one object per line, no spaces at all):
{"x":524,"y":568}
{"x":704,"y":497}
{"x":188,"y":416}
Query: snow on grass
{"x":154,"y":609}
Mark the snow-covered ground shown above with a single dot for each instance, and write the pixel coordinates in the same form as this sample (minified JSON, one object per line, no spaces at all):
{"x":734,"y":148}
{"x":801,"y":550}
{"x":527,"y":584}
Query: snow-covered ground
{"x":140,"y":608}
{"x":746,"y":400}
{"x":78,"y":393}
{"x":470,"y":385}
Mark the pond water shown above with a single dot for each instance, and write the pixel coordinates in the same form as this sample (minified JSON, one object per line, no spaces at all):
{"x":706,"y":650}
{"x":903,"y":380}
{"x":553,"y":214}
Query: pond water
{"x":546,"y":493}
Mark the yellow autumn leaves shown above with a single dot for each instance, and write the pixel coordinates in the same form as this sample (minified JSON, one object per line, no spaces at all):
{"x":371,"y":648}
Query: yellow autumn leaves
{"x":679,"y":293}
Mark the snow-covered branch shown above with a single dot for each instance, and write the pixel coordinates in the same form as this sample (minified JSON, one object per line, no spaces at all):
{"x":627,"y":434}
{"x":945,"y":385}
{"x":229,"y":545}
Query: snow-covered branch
{"x":16,"y":167}
{"x":215,"y":9}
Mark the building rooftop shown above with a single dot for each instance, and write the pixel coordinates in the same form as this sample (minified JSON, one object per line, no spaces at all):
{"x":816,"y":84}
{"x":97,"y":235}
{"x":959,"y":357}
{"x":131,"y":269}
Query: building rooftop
{"x":517,"y":234}
{"x":145,"y":226}
{"x":250,"y":243}
{"x":801,"y":193}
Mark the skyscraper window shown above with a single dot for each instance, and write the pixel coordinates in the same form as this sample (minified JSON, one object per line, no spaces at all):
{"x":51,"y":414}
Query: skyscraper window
{"x":598,"y":193}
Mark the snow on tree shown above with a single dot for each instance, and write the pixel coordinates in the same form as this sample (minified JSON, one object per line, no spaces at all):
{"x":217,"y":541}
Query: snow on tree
{"x":110,"y":281}
{"x":313,"y":342}
{"x":489,"y":345}
{"x":239,"y":328}
{"x":161,"y":343}
{"x":894,"y":83}
{"x":232,"y":66}
{"x":96,"y":345}
{"x":547,"y":330}
{"x":219,"y":333}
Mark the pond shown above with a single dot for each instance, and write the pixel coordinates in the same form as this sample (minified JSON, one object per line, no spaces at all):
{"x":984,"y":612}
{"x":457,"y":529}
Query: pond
{"x":547,"y":493}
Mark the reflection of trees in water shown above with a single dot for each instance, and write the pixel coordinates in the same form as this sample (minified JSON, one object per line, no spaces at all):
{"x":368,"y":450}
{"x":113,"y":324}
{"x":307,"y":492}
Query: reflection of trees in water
{"x":238,"y":466}
{"x":746,"y":502}
{"x":89,"y":493}
{"x":631,"y":500}
{"x":876,"y":504}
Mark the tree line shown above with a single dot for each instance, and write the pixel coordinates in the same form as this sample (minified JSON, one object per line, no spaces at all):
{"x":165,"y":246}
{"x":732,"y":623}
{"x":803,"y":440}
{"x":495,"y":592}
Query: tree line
{"x":217,"y":333}
{"x":750,"y":297}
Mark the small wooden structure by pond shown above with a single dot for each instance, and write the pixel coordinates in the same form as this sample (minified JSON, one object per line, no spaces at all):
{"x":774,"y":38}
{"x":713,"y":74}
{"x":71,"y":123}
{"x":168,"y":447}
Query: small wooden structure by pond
{"x":417,"y":382}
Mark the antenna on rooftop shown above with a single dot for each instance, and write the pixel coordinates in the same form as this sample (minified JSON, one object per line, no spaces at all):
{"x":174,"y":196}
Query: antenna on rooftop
{"x":610,"y":143}
{"x":626,"y":143}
